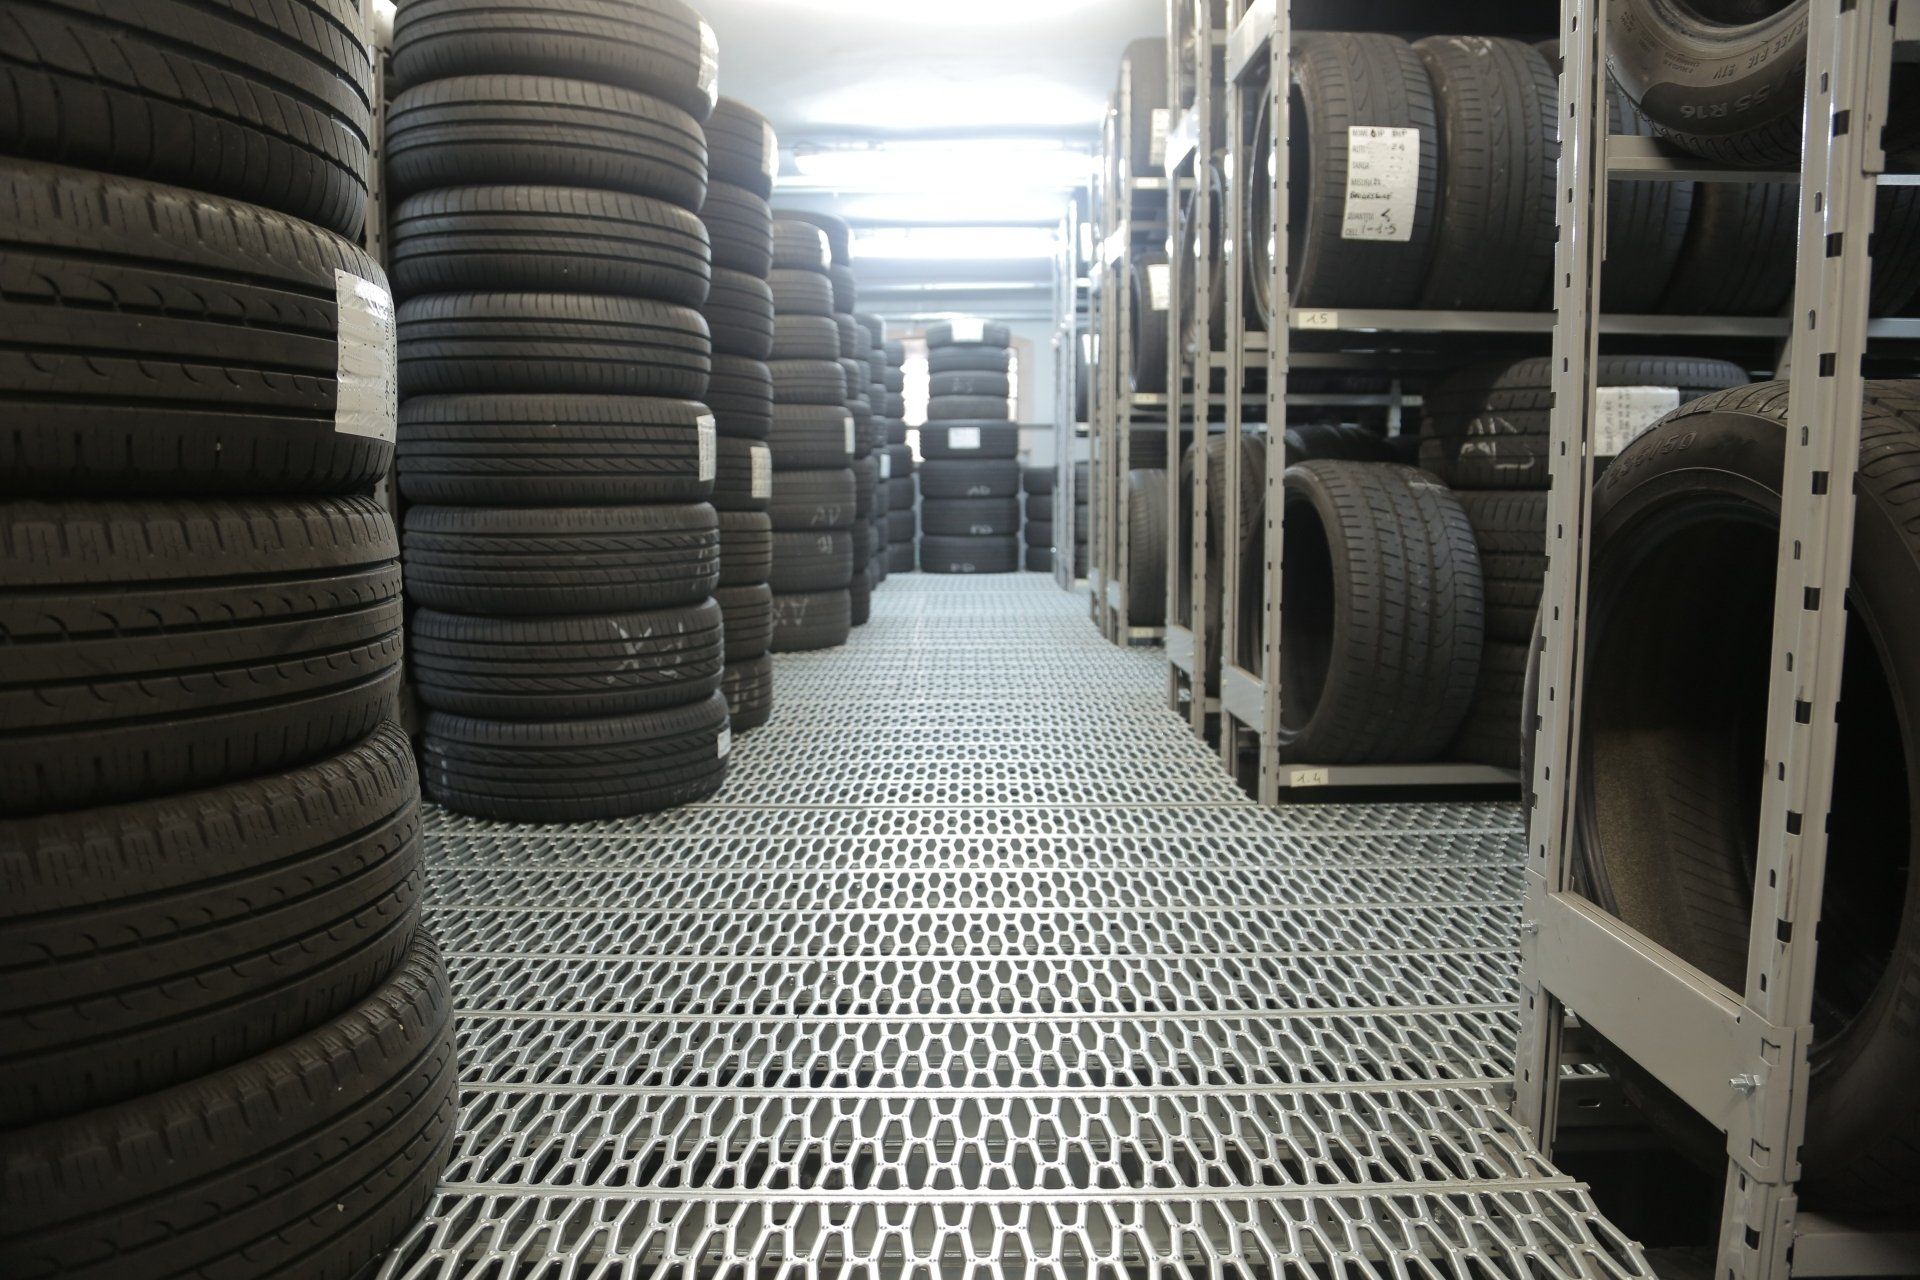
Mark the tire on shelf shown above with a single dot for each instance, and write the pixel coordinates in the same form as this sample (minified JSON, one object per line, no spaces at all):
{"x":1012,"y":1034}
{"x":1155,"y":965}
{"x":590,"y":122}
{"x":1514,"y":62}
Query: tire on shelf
{"x":1146,"y":547}
{"x":166,"y":380}
{"x":969,"y":555}
{"x":1147,"y":313}
{"x":811,"y":620}
{"x":560,"y":668}
{"x":328,"y":1146}
{"x":159,"y":646}
{"x":1143,"y":65}
{"x":747,"y":618}
{"x":267,"y":103}
{"x":1490,"y":733}
{"x":1510,"y":529}
{"x":742,"y":149}
{"x":748,"y":689}
{"x":1739,"y":253}
{"x":1646,"y":226}
{"x":1723,"y":87}
{"x":455,"y":343}
{"x":576,"y":770}
{"x":1383,"y":627}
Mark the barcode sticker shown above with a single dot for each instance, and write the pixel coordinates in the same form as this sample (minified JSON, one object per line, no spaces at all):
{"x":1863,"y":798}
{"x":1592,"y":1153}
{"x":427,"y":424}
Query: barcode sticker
{"x":1625,"y":413}
{"x":1159,"y":285}
{"x":762,"y":471}
{"x":969,"y":330}
{"x":709,"y":445}
{"x":1383,"y":183}
{"x":366,"y":393}
{"x":963,"y":437}
{"x":1158,"y":121}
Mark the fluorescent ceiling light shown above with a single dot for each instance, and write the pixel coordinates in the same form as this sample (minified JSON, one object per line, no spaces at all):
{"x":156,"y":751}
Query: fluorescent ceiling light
{"x":930,"y":103}
{"x":978,"y":205}
{"x":963,"y":166}
{"x":953,"y":243}
{"x":945,"y":13}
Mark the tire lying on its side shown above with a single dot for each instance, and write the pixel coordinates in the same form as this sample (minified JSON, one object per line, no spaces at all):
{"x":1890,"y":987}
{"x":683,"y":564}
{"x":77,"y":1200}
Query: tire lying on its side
{"x":742,"y":148}
{"x":748,"y":689}
{"x":990,"y":336}
{"x":327,"y":1147}
{"x":1685,"y":536}
{"x":154,"y":647}
{"x":747,"y":620}
{"x":804,"y":620}
{"x":969,"y":555}
{"x":972,"y":358}
{"x":740,"y":226}
{"x":552,"y":342}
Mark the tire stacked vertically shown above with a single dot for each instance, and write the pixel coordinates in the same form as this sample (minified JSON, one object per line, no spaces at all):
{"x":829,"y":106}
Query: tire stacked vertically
{"x":225,"y":1043}
{"x":814,"y":440}
{"x":898,"y":482}
{"x":873,"y":500}
{"x":970,"y":483}
{"x":548,"y":164}
{"x":1036,"y":498}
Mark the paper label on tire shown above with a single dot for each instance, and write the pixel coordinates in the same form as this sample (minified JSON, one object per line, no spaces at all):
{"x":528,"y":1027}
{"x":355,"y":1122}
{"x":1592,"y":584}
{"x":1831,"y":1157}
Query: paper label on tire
{"x":1624,"y":414}
{"x":709,"y":446}
{"x":963,"y":437}
{"x":969,"y":330}
{"x":761,"y":458}
{"x":1159,"y":120}
{"x":850,"y":433}
{"x":1159,"y":285}
{"x":726,"y":741}
{"x":366,"y":392}
{"x":1383,"y":183}
{"x":708,"y":80}
{"x":886,"y":466}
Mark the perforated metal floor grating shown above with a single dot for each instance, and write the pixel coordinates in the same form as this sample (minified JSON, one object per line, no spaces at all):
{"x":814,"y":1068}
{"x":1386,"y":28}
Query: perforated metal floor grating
{"x":980,"y":967}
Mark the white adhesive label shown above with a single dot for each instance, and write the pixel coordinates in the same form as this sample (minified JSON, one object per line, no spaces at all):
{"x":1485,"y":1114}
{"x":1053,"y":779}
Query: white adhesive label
{"x":1626,"y":412}
{"x":708,"y":81}
{"x":762,"y":459}
{"x":726,"y":741}
{"x":1159,"y":285}
{"x":1383,"y":183}
{"x":963,"y":437}
{"x":366,"y":393}
{"x":1307,"y":778}
{"x":709,"y":446}
{"x":1317,"y":320}
{"x":886,"y":465}
{"x":849,"y":433}
{"x":969,"y":330}
{"x":1158,"y":121}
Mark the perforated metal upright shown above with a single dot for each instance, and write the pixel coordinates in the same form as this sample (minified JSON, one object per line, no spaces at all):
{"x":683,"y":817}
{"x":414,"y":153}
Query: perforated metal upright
{"x":1740,"y":1059}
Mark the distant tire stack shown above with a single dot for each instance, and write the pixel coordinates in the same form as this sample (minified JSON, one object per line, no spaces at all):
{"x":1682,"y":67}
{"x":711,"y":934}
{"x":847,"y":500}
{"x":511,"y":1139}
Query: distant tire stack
{"x":970,"y":483}
{"x":742,"y":155}
{"x":548,"y":162}
{"x":221,"y":1020}
{"x":814,"y":440}
{"x":897,"y":467}
{"x":1036,"y":488}
{"x":873,"y":497}
{"x":1082,"y":520}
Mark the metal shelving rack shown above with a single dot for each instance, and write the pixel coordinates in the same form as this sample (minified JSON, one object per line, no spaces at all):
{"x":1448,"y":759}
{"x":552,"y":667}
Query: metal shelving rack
{"x":1071,"y":278}
{"x":1739,"y":1059}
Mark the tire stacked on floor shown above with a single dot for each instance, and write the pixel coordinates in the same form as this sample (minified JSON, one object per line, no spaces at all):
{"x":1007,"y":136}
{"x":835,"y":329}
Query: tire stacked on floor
{"x":897,"y":468}
{"x":742,"y":157}
{"x":1036,"y":489}
{"x":221,"y":1019}
{"x":548,"y":162}
{"x":1082,"y":519}
{"x":814,"y":440}
{"x":970,"y":482}
{"x":873,"y":500}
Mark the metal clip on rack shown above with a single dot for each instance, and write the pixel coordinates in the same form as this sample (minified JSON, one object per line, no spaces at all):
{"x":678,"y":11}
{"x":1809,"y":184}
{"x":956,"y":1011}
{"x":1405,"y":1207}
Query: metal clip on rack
{"x":1739,"y":1059}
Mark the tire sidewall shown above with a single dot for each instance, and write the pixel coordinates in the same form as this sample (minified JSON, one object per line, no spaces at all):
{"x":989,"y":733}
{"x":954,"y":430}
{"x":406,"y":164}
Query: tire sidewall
{"x":1696,"y":77}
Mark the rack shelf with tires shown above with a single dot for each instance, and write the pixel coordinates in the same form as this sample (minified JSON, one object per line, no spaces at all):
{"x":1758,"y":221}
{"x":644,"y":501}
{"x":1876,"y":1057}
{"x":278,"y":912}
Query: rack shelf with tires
{"x":1071,"y":341}
{"x":1735,"y":1053}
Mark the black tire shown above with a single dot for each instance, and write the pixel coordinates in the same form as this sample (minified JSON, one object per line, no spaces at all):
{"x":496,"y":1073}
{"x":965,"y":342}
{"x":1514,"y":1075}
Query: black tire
{"x":748,"y":688}
{"x":740,"y":393}
{"x":863,"y":541}
{"x":810,"y":438}
{"x":565,"y":668}
{"x":902,"y":525}
{"x":813,"y":620}
{"x":818,"y":560}
{"x":993,"y":337}
{"x":859,"y":600}
{"x":1896,"y":251}
{"x":552,"y":342}
{"x":866,"y":488}
{"x":896,"y":409}
{"x":942,"y":409}
{"x":900,"y":494}
{"x":969,"y":555}
{"x":853,"y":342}
{"x":1081,"y":524}
{"x":821,"y":382}
{"x":895,"y":432}
{"x":894,"y":351}
{"x":1144,"y":64}
{"x":576,"y":770}
{"x":901,"y":557}
{"x":279,"y":903}
{"x":1739,"y":252}
{"x":839,"y":235}
{"x":1038,"y":533}
{"x":1646,"y":226}
{"x":1039,"y":508}
{"x":976,"y":440}
{"x":1490,"y":734}
{"x":1147,"y":548}
{"x":158,"y":646}
{"x":327,"y":1147}
{"x":135,"y":356}
{"x":1037,"y":559}
{"x":994,"y":386}
{"x":270,"y":103}
{"x":801,"y":293}
{"x":549,"y":239}
{"x":561,"y":560}
{"x":971,"y":517}
{"x":1727,"y":89}
{"x":1147,"y":316}
{"x":740,"y":226}
{"x":741,"y":148}
{"x":810,"y":501}
{"x":1499,"y":144}
{"x":554,"y":451}
{"x":743,"y":476}
{"x":805,"y":338}
{"x":1685,"y":529}
{"x":470,"y":131}
{"x":1383,"y":627}
{"x":1486,"y":426}
{"x":845,"y":290}
{"x":746,"y":548}
{"x":894,"y":380}
{"x":1037,"y":480}
{"x":1510,"y":530}
{"x":739,"y":315}
{"x":659,"y":47}
{"x":968,"y":359}
{"x":747,"y":617}
{"x":957,"y":478}
{"x":1343,"y":81}
{"x":799,"y":246}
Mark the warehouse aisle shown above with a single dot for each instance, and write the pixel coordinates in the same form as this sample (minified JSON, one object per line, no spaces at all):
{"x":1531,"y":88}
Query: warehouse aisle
{"x":979,"y":966}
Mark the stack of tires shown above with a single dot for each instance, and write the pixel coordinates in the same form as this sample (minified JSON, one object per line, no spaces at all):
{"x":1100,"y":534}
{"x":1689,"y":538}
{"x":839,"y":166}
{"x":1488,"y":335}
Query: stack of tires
{"x":227,"y":1042}
{"x":1485,"y":434}
{"x":742,"y":157}
{"x":897,"y":467}
{"x":872,"y":488}
{"x":1082,"y":520}
{"x":549,"y":164}
{"x":970,"y":483}
{"x":814,"y":440}
{"x":1036,"y":488}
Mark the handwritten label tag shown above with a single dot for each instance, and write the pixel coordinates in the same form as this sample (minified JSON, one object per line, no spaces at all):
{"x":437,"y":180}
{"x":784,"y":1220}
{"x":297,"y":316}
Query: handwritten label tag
{"x":1158,"y":121}
{"x":1625,"y":413}
{"x":1383,"y":183}
{"x":1317,"y":320}
{"x":1159,"y":285}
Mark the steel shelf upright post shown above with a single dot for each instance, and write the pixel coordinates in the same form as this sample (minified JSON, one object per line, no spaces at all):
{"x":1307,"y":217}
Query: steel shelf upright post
{"x":1739,"y":1059}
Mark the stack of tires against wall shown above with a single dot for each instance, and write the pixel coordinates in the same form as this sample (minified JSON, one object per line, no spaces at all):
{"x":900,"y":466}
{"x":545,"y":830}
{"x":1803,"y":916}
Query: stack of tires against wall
{"x":1036,"y":500}
{"x":814,"y":440}
{"x":969,"y":483}
{"x":742,"y":157}
{"x":899,"y":482}
{"x":872,"y":481}
{"x":1082,"y":521}
{"x":227,"y":1043}
{"x":561,"y":550}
